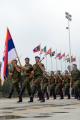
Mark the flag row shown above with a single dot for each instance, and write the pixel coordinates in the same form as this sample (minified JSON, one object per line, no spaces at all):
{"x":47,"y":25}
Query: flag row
{"x":57,"y":55}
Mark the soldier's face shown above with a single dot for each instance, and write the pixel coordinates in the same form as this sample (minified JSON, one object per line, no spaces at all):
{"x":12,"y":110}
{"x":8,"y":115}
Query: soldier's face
{"x":27,"y":61}
{"x":14,"y":62}
{"x":74,"y":67}
{"x":37,"y":60}
{"x":52,"y":73}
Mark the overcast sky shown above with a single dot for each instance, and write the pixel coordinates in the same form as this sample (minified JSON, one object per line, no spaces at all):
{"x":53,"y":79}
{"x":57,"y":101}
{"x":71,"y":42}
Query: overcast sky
{"x":34,"y":22}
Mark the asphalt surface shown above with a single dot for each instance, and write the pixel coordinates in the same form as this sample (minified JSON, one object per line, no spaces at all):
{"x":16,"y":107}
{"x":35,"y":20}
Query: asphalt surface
{"x":50,"y":110}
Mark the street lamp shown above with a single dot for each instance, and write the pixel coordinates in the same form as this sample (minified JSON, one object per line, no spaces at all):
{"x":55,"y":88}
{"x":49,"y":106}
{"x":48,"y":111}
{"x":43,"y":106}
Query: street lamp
{"x":69,"y":18}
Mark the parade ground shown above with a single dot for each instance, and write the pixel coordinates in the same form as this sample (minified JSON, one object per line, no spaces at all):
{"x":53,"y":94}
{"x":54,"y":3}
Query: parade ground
{"x":50,"y":110}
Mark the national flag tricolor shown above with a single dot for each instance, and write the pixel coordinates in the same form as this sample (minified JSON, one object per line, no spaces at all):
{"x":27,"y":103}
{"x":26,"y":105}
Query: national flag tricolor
{"x":9,"y":55}
{"x":44,"y":50}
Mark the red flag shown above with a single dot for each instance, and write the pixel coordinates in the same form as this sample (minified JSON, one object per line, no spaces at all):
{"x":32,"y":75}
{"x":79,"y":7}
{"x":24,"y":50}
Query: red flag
{"x":58,"y":55}
{"x":52,"y":54}
{"x":49,"y":51}
{"x":36,"y":49}
{"x":61,"y":56}
{"x":73,"y":59}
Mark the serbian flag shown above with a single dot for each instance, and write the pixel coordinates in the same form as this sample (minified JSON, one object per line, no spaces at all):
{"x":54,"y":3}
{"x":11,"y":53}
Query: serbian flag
{"x":9,"y":55}
{"x":36,"y":49}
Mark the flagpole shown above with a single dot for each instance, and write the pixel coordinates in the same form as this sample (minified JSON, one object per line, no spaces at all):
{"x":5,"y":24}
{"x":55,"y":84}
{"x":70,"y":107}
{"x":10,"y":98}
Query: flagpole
{"x":18,"y":57}
{"x":61,"y":65}
{"x":65,"y":64}
{"x":69,"y":18}
{"x":61,"y":62}
{"x":56,"y":62}
{"x":46,"y":58}
{"x":79,"y":63}
{"x":51,"y":63}
{"x":40,"y":56}
{"x":40,"y":51}
{"x":46,"y":62}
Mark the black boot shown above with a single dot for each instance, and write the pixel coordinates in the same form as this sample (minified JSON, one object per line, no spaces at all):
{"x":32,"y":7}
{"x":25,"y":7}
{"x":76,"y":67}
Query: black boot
{"x":54,"y":95}
{"x":69,"y":96}
{"x":31,"y":99}
{"x":20,"y":99}
{"x":61,"y":95}
{"x":10,"y":95}
{"x":47,"y":95}
{"x":43,"y":100}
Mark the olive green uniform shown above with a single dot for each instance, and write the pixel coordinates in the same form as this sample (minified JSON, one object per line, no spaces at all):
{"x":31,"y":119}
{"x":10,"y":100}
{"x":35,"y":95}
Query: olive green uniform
{"x":45,"y":86}
{"x":75,"y":74}
{"x":52,"y":86}
{"x":15,"y":78}
{"x":67,"y":81}
{"x":27,"y":81}
{"x":59,"y":86}
{"x":38,"y":77}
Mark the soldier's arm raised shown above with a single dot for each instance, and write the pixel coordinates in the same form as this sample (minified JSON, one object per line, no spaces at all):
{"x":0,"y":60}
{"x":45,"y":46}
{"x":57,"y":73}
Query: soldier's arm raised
{"x":18,"y":68}
{"x":41,"y":66}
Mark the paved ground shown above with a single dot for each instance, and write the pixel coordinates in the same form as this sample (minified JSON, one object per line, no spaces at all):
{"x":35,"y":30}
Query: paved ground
{"x":50,"y":110}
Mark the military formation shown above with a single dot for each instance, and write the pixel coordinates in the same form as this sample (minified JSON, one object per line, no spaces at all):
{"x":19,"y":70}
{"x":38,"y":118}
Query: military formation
{"x":38,"y":83}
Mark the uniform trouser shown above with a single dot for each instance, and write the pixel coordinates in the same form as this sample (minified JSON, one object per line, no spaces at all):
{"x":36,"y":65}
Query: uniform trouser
{"x":15,"y":85}
{"x":59,"y":90}
{"x":45,"y":90}
{"x":72,"y":92}
{"x":52,"y":91}
{"x":77,"y":89}
{"x":27,"y":86}
{"x":37,"y":88}
{"x":67,"y":90}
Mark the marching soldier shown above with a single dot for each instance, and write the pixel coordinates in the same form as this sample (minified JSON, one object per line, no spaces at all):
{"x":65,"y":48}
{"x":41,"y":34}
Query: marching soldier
{"x":38,"y":69}
{"x":44,"y":86}
{"x":59,"y":85}
{"x":27,"y":76}
{"x":14,"y":73}
{"x":52,"y":85}
{"x":67,"y":81}
{"x":75,"y":74}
